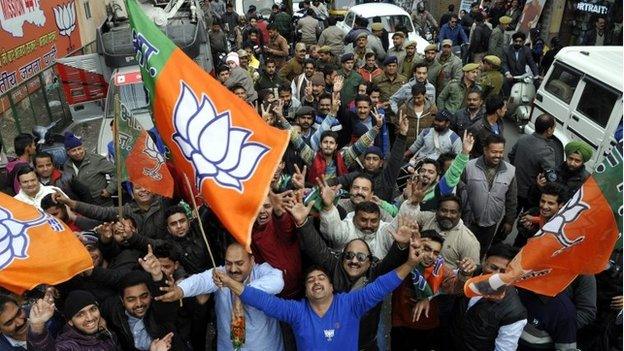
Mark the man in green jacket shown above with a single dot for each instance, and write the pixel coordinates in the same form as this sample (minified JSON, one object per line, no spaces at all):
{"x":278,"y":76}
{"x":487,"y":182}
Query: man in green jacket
{"x":497,"y":38}
{"x":351,"y":79}
{"x":453,"y":96}
{"x":451,"y":66}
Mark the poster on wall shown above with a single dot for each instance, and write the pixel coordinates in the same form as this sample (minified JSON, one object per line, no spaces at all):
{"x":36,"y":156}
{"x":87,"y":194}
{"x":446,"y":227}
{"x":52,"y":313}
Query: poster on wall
{"x":33,"y":33}
{"x":530,"y":15}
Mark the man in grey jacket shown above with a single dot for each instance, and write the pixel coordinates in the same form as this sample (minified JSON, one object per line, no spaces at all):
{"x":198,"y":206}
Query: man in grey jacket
{"x":333,"y":37}
{"x":489,"y":192}
{"x":533,"y":154}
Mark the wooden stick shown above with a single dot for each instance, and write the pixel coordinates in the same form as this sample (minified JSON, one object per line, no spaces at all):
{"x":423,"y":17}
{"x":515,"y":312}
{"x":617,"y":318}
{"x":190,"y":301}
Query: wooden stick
{"x":201,"y":226}
{"x":117,"y":108}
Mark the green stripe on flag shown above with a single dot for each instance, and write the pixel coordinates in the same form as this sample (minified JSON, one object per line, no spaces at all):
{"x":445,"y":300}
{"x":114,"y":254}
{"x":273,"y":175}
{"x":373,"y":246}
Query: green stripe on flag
{"x":129,"y":131}
{"x":151,"y":55}
{"x":608,"y":175}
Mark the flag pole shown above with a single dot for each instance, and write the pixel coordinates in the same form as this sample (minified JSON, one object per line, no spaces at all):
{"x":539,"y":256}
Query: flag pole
{"x":118,"y":154}
{"x":196,"y":212}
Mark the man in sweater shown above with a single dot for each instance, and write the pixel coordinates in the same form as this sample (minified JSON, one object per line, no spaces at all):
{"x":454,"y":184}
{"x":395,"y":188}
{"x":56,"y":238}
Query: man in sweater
{"x":490,"y":193}
{"x":324,"y":320}
{"x":432,"y":142}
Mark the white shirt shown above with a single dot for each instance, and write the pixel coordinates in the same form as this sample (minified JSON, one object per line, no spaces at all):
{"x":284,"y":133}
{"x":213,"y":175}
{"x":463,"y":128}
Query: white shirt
{"x":508,"y":335}
{"x":36,"y":200}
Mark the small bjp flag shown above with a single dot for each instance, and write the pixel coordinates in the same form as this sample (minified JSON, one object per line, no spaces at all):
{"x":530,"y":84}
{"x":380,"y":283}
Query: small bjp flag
{"x":36,"y":248}
{"x":215,"y":138}
{"x":579,"y":239}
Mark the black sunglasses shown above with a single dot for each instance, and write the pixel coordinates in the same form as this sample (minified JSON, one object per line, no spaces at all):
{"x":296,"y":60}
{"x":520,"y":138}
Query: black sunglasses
{"x":361,"y":257}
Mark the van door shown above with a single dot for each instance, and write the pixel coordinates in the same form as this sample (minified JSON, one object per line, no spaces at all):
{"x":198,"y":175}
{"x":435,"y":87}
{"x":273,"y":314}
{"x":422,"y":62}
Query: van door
{"x":592,"y":112}
{"x":556,"y":94}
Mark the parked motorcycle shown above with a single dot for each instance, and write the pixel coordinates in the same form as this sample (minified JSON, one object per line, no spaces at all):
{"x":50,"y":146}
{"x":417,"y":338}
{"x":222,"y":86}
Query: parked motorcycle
{"x":51,"y":143}
{"x":521,"y":98}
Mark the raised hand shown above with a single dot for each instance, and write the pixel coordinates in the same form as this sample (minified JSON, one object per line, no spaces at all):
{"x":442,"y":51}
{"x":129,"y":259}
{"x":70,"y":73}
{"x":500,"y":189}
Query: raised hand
{"x":338,"y":83}
{"x":407,"y":229}
{"x":151,"y":265}
{"x":307,"y":92}
{"x":467,"y":143}
{"x":40,"y":313}
{"x":335,"y":103}
{"x":163,"y":344}
{"x":403,"y":123}
{"x":378,"y":118}
{"x":298,"y":210}
{"x":61,"y":198}
{"x":467,"y":266}
{"x":172,"y":292}
{"x":298,"y":178}
{"x":418,"y":191}
{"x":280,"y":201}
{"x":328,"y":194}
{"x":415,"y":249}
{"x":105,"y":232}
{"x":278,"y":109}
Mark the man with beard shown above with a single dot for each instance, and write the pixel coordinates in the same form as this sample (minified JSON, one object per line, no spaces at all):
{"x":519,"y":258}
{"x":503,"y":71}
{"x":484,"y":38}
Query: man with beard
{"x":490,"y":193}
{"x":490,"y":124}
{"x":354,"y":267}
{"x":136,"y":316}
{"x":13,"y":325}
{"x":398,"y":51}
{"x":85,"y":329}
{"x":304,"y":118}
{"x":428,"y":175}
{"x":383,"y":173}
{"x":453,"y":96}
{"x":491,"y":79}
{"x":415,"y":313}
{"x":258,"y":331}
{"x":571,"y":174}
{"x":390,"y":81}
{"x":404,"y":94}
{"x":361,"y":190}
{"x":294,"y":66}
{"x":482,"y":323}
{"x":451,"y":66}
{"x":469,"y":115}
{"x":326,"y":58}
{"x":431,"y":142}
{"x":515,"y":59}
{"x":268,"y":77}
{"x":552,"y":198}
{"x":324,"y":320}
{"x":433,"y":66}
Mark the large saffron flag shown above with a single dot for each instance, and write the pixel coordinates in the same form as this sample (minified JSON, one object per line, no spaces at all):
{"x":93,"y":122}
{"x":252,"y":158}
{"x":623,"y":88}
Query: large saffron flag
{"x":143,"y":164}
{"x":36,"y":248}
{"x":215,"y":138}
{"x":579,"y":239}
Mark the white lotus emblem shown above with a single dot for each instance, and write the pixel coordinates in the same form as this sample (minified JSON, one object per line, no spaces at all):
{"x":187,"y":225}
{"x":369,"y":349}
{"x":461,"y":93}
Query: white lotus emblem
{"x":13,"y":239}
{"x":218,"y":150}
{"x":567,"y":214}
{"x":152,"y":152}
{"x":65,"y":18}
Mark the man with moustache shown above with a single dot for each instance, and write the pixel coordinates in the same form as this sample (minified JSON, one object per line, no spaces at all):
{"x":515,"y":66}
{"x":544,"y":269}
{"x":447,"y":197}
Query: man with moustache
{"x":13,"y":325}
{"x":432,"y":142}
{"x":490,"y":192}
{"x":354,"y":267}
{"x":361,"y":190}
{"x":469,"y":115}
{"x":404,"y":94}
{"x":260,"y":332}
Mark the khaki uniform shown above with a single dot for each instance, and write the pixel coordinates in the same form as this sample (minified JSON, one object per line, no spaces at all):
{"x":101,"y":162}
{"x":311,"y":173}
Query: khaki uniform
{"x":451,"y":69}
{"x":290,"y":70}
{"x":388,"y":87}
{"x":433,"y":71}
{"x":491,"y":82}
{"x":497,"y":42}
{"x":408,"y":64}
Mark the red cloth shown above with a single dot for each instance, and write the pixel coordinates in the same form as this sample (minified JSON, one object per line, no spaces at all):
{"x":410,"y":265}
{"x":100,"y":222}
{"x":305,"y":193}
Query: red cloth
{"x":319,"y":165}
{"x":278,"y":244}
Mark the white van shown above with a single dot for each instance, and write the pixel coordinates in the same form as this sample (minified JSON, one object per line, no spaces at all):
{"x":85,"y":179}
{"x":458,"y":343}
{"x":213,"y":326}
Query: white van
{"x":583,"y":91}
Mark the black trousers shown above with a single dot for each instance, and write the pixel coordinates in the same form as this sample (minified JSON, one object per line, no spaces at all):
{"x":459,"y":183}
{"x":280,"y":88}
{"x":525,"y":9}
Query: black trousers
{"x":408,"y":339}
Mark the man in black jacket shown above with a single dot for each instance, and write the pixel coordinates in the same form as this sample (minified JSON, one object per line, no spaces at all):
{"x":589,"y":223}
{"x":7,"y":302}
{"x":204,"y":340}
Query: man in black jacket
{"x":515,"y":58}
{"x":482,"y":323}
{"x":135,"y":316}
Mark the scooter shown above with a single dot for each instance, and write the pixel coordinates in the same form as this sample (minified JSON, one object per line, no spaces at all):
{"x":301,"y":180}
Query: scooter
{"x":521,"y":98}
{"x":50,"y":143}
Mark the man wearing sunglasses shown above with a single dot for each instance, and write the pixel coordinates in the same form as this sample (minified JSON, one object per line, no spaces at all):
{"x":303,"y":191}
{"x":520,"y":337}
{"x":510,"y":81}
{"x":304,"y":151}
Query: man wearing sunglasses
{"x":453,"y":31}
{"x":355,"y":266}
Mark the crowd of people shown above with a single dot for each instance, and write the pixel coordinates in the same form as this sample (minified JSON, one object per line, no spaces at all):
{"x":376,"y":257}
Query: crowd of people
{"x":398,"y":185}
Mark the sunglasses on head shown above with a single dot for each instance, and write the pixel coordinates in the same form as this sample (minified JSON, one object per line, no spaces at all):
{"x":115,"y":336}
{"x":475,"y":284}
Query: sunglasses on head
{"x":360,"y":256}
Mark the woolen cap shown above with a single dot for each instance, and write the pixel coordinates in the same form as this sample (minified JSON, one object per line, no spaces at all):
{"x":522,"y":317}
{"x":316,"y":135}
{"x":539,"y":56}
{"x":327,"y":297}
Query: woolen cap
{"x":375,"y":150}
{"x":305,"y":111}
{"x":318,"y":79}
{"x":447,"y":42}
{"x":493,"y":60}
{"x":77,"y":300}
{"x":444,"y":115}
{"x":470,"y":67}
{"x":71,"y":141}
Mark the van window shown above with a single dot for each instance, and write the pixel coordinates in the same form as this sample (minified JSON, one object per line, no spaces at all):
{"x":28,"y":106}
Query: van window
{"x":597,"y":102}
{"x":562,"y":82}
{"x":349,"y":19}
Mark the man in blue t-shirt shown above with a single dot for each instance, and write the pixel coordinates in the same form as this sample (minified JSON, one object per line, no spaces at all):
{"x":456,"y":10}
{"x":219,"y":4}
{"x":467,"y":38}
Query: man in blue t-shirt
{"x":324,"y":320}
